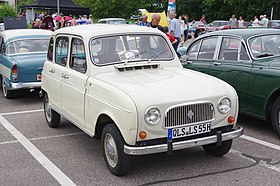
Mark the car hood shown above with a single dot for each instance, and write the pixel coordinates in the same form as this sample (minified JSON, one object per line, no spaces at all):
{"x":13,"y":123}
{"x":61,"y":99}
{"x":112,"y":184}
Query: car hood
{"x":167,"y":85}
{"x":30,"y":63}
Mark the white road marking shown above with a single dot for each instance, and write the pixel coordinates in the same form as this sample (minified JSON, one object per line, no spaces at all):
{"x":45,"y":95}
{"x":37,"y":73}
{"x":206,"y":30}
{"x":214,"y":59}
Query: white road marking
{"x":262,"y":163}
{"x":261,"y":142}
{"x":8,"y":142}
{"x":37,"y":154}
{"x":21,"y":112}
{"x":43,"y":138}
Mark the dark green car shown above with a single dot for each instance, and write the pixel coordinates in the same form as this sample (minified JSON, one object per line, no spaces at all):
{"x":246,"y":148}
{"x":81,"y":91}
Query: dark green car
{"x":249,"y":60}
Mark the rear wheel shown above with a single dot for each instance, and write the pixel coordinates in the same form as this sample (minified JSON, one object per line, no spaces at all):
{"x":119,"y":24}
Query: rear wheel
{"x":275,"y":116}
{"x":9,"y":94}
{"x":52,"y":117}
{"x":113,"y":150}
{"x":218,"y":151}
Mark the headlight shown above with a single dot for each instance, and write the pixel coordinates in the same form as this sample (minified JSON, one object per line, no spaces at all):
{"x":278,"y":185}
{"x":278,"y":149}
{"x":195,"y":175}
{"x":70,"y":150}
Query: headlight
{"x":224,"y":105}
{"x":152,"y":116}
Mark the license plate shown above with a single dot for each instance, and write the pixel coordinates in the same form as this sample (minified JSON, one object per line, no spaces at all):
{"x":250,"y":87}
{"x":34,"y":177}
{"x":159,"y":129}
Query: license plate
{"x":39,"y":77}
{"x":189,"y":130}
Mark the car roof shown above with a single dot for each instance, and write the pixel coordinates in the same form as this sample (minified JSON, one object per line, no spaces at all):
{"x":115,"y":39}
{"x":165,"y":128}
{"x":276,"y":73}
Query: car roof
{"x":91,"y":30}
{"x":244,"y":33}
{"x":15,"y":33}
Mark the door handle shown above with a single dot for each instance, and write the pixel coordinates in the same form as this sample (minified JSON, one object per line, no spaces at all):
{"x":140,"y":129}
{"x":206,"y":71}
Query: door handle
{"x":189,"y":62}
{"x":65,"y":76}
{"x":217,"y":63}
{"x":52,"y":70}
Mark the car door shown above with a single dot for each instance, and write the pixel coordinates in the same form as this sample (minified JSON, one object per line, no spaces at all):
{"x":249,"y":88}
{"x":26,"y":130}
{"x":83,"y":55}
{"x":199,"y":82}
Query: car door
{"x":233,"y":65}
{"x":73,"y":82}
{"x":201,"y":54}
{"x":54,"y":68}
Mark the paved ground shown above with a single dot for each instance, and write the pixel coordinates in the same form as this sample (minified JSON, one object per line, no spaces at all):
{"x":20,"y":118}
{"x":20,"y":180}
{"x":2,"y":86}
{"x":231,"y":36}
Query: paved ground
{"x":31,"y":153}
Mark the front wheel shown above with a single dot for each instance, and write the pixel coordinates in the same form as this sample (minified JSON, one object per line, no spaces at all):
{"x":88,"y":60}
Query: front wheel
{"x":218,"y":151}
{"x":9,"y":94}
{"x":275,"y":116}
{"x":113,"y":150}
{"x":52,"y":117}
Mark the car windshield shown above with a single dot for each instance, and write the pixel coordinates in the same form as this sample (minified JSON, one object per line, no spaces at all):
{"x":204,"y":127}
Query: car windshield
{"x":264,"y":46}
{"x":128,"y":48}
{"x":219,"y":23}
{"x":117,"y":22}
{"x":27,"y":46}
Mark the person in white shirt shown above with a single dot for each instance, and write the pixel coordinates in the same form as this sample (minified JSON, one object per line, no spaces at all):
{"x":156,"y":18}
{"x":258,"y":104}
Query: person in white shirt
{"x":241,"y":22}
{"x":255,"y":22}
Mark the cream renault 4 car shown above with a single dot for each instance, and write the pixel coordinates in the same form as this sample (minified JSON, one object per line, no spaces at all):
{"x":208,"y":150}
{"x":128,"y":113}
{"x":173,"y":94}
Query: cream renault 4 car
{"x":125,"y":85}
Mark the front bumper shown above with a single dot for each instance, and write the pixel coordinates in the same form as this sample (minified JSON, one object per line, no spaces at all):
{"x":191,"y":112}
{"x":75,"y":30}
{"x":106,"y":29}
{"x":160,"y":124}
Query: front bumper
{"x":29,"y":85}
{"x":152,"y":149}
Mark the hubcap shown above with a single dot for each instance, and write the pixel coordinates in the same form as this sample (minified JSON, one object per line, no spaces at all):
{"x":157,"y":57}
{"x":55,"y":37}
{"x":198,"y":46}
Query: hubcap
{"x":4,"y":86}
{"x":111,"y":150}
{"x":48,"y":110}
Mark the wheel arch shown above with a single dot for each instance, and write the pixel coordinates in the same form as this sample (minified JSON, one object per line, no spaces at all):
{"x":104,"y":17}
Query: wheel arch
{"x":270,"y":102}
{"x":102,"y":121}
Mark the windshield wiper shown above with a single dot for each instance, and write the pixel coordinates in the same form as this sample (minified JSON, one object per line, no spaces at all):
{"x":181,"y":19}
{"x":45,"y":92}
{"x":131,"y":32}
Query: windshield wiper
{"x":133,"y":57}
{"x":264,"y":54}
{"x":156,"y":55}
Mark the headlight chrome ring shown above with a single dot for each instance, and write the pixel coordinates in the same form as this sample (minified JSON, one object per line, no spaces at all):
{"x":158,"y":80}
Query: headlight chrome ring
{"x":224,"y":105}
{"x":152,"y":116}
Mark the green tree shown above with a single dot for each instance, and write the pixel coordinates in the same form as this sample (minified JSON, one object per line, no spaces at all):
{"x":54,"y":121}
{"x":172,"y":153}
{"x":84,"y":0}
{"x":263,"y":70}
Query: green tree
{"x":6,"y":11}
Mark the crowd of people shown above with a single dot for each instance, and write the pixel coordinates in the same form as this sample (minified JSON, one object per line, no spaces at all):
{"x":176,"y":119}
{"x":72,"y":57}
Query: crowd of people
{"x":178,"y":30}
{"x":56,"y":21}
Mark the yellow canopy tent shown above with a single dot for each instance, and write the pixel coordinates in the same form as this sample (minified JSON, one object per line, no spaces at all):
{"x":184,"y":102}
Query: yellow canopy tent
{"x":163,"y":19}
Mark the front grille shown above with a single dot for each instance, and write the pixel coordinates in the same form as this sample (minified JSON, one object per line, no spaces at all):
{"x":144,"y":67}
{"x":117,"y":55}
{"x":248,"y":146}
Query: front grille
{"x":189,"y":114}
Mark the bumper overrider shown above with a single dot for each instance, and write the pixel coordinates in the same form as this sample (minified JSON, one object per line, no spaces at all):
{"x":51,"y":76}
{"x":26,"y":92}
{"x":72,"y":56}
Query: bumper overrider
{"x":28,"y":85}
{"x":169,"y":146}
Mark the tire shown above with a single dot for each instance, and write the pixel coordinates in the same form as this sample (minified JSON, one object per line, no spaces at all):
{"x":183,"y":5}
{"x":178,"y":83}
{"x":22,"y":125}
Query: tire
{"x":52,"y":117}
{"x":9,"y":94}
{"x":218,"y":151}
{"x":116,"y":160}
{"x":275,"y":116}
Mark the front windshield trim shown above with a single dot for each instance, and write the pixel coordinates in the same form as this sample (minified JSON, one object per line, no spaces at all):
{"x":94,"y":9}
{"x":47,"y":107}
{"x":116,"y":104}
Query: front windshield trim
{"x":261,"y":35}
{"x":133,"y":60}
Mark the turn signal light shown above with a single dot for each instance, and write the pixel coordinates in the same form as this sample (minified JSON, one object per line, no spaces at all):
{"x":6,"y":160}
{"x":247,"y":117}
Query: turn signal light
{"x":142,"y":134}
{"x":230,"y":119}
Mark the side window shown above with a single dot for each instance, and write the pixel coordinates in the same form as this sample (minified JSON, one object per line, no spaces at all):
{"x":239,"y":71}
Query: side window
{"x":243,"y":54}
{"x":50,"y":50}
{"x":229,"y":49}
{"x":207,"y":48}
{"x":78,"y":56}
{"x":193,"y":51}
{"x":61,"y":50}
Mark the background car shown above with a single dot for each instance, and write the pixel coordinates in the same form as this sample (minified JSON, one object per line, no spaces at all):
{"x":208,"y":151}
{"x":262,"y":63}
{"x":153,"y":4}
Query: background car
{"x":112,"y":21}
{"x":213,"y":26}
{"x":249,"y":60}
{"x":274,"y":24}
{"x":23,"y":53}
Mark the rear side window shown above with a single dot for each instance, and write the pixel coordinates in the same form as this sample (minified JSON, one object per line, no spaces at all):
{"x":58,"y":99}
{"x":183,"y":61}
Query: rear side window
{"x":208,"y":48}
{"x":61,"y":50}
{"x":229,"y":49}
{"x":78,"y":56}
{"x":50,"y":50}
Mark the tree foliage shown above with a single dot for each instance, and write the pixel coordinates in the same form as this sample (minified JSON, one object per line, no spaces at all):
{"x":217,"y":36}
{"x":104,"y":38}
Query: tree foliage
{"x":6,"y":11}
{"x":212,"y":9}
